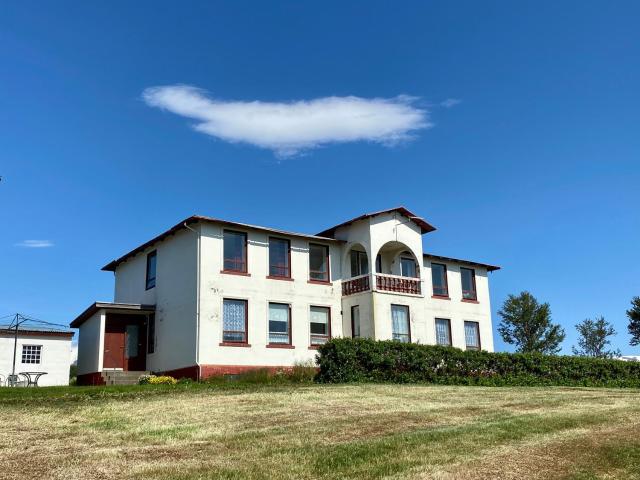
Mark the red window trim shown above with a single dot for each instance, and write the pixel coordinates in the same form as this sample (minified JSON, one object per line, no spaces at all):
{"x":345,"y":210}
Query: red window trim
{"x":408,"y":318}
{"x":441,"y":297}
{"x":281,"y":277}
{"x":473,"y":281}
{"x":328,"y":335}
{"x":234,"y":272}
{"x":446,"y":280}
{"x":286,"y":279}
{"x":281,"y":345}
{"x":467,"y":300}
{"x":448,"y":320}
{"x":319,"y":282}
{"x":466,"y":347}
{"x":246,"y":253}
{"x":245,"y":342}
{"x":328,"y":257}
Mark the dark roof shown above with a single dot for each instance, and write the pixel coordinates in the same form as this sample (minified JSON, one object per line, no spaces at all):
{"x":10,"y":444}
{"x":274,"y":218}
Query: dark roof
{"x":122,"y":307}
{"x":35,"y":331}
{"x":424,"y":226}
{"x":111,"y":266}
{"x":490,"y":268}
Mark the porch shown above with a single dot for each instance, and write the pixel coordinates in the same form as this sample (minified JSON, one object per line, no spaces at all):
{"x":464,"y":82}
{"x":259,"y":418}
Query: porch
{"x":113,"y":342}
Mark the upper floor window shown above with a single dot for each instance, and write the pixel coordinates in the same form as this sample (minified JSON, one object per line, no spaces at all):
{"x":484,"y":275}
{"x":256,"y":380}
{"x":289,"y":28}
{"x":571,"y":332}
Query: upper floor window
{"x":234,"y":321}
{"x":468,"y":284}
{"x":31,"y":353}
{"x":280,"y":323}
{"x":439,"y":280}
{"x":443,"y":331}
{"x":359,"y":263}
{"x":355,"y":321}
{"x":151,"y":269}
{"x":472,"y":335}
{"x":408,"y":267}
{"x":318,"y":263}
{"x":279,"y":258}
{"x":400,"y":323}
{"x":235,"y":251}
{"x":320,"y":326}
{"x":151,"y":333}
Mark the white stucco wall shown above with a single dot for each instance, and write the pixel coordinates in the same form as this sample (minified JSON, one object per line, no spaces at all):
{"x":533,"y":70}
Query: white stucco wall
{"x":259,"y":291}
{"x":174,"y":297}
{"x":91,"y":344}
{"x":55,"y":358}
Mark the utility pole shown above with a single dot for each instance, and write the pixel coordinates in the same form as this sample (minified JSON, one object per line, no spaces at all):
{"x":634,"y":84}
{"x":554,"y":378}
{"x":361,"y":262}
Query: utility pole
{"x":15,"y":346}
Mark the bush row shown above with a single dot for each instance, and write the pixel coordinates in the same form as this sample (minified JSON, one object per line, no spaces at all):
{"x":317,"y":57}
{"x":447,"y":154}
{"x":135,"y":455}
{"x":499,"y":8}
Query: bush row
{"x":363,"y":360}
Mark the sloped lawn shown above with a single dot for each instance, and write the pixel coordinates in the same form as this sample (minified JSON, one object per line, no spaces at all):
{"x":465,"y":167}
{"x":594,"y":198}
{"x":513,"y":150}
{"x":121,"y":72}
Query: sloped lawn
{"x":302,"y":432}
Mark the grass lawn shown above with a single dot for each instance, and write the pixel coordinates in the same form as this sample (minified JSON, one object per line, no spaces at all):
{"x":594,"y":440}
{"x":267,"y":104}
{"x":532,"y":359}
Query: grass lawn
{"x":302,"y":432}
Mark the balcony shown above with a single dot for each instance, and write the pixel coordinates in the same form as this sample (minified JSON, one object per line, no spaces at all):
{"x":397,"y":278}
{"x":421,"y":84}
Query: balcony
{"x":382,"y":283}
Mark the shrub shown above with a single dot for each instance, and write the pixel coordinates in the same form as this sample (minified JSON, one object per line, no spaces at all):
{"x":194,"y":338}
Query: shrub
{"x":156,"y":380}
{"x":364,"y":360}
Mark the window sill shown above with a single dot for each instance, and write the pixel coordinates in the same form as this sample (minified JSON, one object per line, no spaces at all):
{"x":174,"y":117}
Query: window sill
{"x":467,"y":300}
{"x":314,"y":347}
{"x":441,"y":297}
{"x":277,"y":345}
{"x":319,"y":282}
{"x":286,"y":279}
{"x":232,"y":344}
{"x":233,"y":272}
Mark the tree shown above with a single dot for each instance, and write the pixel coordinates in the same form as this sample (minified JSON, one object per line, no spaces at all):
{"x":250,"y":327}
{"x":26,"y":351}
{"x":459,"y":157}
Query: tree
{"x":594,"y":338}
{"x":527,"y":324}
{"x":634,"y":321}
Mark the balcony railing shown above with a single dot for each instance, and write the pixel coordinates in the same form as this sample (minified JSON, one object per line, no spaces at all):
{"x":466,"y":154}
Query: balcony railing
{"x":383,"y":283}
{"x":356,"y":285}
{"x":394,"y":283}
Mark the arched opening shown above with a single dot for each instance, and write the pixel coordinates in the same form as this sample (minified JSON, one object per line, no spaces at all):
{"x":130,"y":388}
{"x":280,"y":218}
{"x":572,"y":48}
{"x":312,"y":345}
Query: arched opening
{"x":395,"y":258}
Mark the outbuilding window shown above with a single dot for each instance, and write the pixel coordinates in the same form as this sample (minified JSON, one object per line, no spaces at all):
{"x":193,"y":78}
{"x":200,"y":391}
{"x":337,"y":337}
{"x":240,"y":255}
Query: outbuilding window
{"x":31,"y":353}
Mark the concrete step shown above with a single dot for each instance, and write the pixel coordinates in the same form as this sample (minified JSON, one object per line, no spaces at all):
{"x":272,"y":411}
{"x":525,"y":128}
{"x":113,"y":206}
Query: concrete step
{"x":119,"y":377}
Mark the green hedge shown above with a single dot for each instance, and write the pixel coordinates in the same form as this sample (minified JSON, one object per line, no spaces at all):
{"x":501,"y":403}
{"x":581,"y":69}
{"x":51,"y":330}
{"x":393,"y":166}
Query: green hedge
{"x":362,"y":360}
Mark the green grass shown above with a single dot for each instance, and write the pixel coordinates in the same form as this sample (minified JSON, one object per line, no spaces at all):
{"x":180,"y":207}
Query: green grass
{"x":239,"y":430}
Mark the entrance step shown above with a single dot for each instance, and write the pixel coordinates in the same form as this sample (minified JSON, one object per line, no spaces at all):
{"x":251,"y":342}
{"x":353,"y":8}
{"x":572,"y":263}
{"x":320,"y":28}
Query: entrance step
{"x":120,"y":377}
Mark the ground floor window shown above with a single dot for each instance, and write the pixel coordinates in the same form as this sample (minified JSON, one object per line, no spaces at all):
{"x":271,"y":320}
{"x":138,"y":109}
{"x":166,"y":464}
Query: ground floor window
{"x":234,"y":321}
{"x":443,"y":331}
{"x":31,"y":353}
{"x":320,"y":326}
{"x":279,"y":323}
{"x":472,"y":335}
{"x":355,"y":321}
{"x":400,"y":323}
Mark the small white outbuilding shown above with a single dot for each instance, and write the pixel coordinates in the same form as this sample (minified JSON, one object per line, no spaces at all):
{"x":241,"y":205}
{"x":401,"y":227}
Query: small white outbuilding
{"x":36,"y":350}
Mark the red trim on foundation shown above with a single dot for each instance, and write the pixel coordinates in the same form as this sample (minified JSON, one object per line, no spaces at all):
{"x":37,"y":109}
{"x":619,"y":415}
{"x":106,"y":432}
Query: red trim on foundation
{"x":207,"y":371}
{"x":192,"y":372}
{"x":94,"y":378}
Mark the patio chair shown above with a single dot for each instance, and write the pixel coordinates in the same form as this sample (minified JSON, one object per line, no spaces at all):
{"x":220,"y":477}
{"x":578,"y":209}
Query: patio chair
{"x":14,"y":381}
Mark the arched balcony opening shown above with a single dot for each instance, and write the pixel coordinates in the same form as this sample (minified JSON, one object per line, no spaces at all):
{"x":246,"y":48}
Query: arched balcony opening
{"x":397,"y":269}
{"x":357,"y":264}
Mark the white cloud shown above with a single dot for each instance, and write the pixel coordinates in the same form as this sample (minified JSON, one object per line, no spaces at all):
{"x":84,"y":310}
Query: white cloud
{"x":450,"y":102}
{"x":293,"y":127}
{"x":35,"y":244}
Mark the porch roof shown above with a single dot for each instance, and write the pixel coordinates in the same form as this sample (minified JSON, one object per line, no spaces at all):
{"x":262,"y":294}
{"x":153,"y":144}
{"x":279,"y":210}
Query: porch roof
{"x":111,"y":306}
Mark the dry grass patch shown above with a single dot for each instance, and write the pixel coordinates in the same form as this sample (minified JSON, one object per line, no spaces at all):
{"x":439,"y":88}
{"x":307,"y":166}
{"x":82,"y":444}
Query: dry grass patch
{"x":362,"y":431}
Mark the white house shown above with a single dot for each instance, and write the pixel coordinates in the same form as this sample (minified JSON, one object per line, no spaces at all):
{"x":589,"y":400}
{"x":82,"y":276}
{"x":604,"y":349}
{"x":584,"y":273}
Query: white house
{"x":210,"y":296}
{"x":36,"y":350}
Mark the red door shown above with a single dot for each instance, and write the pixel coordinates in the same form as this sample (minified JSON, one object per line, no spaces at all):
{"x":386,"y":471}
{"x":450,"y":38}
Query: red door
{"x":135,"y":346}
{"x":114,"y":336}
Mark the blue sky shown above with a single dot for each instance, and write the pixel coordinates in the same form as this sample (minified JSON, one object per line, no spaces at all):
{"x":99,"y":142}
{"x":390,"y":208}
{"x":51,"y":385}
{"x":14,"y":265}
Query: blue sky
{"x":535,"y":168}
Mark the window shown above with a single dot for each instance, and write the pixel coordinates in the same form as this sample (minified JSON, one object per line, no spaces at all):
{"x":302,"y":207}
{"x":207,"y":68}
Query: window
{"x":355,"y":321}
{"x":443,"y":331}
{"x":234,"y":321}
{"x":279,"y":258}
{"x":320,"y":327}
{"x":439,"y":280}
{"x":472,"y":335}
{"x":468,"y":284}
{"x":408,"y":267}
{"x":359,"y":263}
{"x":400,"y":323}
{"x":151,"y":269}
{"x":318,"y":263}
{"x":31,"y":353}
{"x":279,"y":324}
{"x":235,"y":251}
{"x":151,"y":335}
